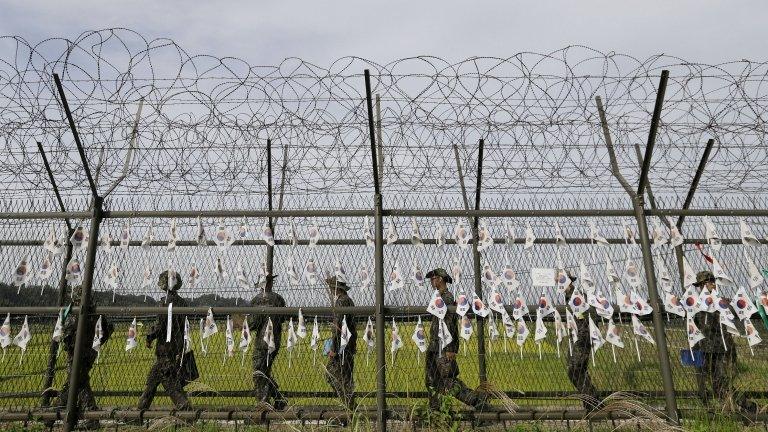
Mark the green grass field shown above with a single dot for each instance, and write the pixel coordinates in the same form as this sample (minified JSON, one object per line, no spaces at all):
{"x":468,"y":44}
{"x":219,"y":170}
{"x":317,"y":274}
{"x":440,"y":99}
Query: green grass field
{"x":121,"y":371}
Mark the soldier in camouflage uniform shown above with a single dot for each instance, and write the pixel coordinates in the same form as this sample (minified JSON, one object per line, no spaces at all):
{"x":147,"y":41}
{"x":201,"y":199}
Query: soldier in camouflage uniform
{"x":265,"y":386}
{"x":578,"y":362}
{"x":341,"y":364}
{"x":442,"y":371}
{"x":167,"y":369}
{"x":85,"y":399}
{"x":719,"y":365}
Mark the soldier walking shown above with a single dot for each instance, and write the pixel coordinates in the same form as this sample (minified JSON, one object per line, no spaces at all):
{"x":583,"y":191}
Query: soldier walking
{"x":442,"y":371}
{"x":578,"y":363}
{"x":265,"y":386}
{"x":341,"y":360}
{"x":168,"y":369}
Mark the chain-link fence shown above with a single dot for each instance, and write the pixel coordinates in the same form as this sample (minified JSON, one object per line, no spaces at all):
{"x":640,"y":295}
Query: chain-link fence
{"x":181,"y":162}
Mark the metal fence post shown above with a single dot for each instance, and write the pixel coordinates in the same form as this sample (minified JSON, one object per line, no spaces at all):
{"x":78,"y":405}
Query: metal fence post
{"x":82,"y":318}
{"x":381,"y":361}
{"x":482,"y":371}
{"x":658,"y":321}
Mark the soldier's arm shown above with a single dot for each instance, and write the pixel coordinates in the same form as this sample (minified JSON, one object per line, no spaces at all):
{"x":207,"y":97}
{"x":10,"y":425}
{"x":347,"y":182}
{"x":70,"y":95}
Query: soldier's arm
{"x":452,"y":322}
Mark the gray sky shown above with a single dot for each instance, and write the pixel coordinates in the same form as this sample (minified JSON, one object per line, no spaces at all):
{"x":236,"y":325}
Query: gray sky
{"x":320,"y":31}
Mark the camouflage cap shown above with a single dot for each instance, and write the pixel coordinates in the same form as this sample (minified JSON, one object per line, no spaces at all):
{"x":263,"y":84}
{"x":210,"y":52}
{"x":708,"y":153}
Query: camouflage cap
{"x":440,"y":272}
{"x":333,"y":283}
{"x":703,"y":277}
{"x":162,"y":281}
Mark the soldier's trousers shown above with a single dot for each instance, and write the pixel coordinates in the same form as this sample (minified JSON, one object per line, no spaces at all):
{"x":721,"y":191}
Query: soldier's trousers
{"x":719,"y":369}
{"x":264,"y":385}
{"x":578,"y":373}
{"x":85,"y":398}
{"x":165,"y":371}
{"x":340,"y":378}
{"x":441,"y":377}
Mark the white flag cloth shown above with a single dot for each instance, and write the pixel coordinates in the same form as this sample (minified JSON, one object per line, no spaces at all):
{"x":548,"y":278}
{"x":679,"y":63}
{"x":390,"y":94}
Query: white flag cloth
{"x":269,"y":336}
{"x":194,"y":276}
{"x":560,"y":330}
{"x":610,"y":271}
{"x":625,"y":302}
{"x":230,"y":339}
{"x":291,"y":340}
{"x":364,"y":276}
{"x":242,"y":278}
{"x":169,"y":323}
{"x":541,"y":330}
{"x":748,"y":238}
{"x":519,"y":308}
{"x":292,"y":235}
{"x":46,"y":267}
{"x":694,"y":334}
{"x":602,"y":306}
{"x":221,"y":274}
{"x":496,"y":301}
{"x":301,"y":326}
{"x":147,"y":279}
{"x":743,"y":305}
{"x":595,"y":336}
{"x":345,"y":335}
{"x":570,"y":323}
{"x":397,"y":342}
{"x":369,"y":336}
{"x":443,"y":335}
{"x":664,"y":276}
{"x":339,"y":272}
{"x":706,"y":301}
{"x":641,"y":305}
{"x":310,"y":271}
{"x":106,"y":243}
{"x":530,"y":238}
{"x":559,"y":239}
{"x":613,"y":335}
{"x":691,"y":301}
{"x":266,"y":233}
{"x":479,"y":307}
{"x":417,"y":275}
{"x":675,"y":237}
{"x":577,"y":302}
{"x":223,"y":238}
{"x":210,"y":325}
{"x":753,"y":338}
{"x":509,"y":233}
{"x":5,"y":332}
{"x":418,"y":337}
{"x":632,"y":274}
{"x":522,"y":332}
{"x":58,"y":328}
{"x":489,"y":276}
{"x":720,"y":275}
{"x":79,"y":240}
{"x":673,"y":305}
{"x":755,"y":276}
{"x":586,"y":282}
{"x":726,"y":320}
{"x":466,"y":328}
{"x":641,"y":331}
{"x":173,"y":236}
{"x":545,"y":306}
{"x":98,"y":334}
{"x":293,"y":275}
{"x":462,"y":304}
{"x":415,"y":234}
{"x":493,"y":332}
{"x":51,"y":242}
{"x":110,"y":279}
{"x":392,"y":236}
{"x":660,"y":237}
{"x":594,"y":234}
{"x":509,"y":278}
{"x":24,"y":336}
{"x":314,"y":235}
{"x":455,"y":270}
{"x":187,"y":336}
{"x":203,"y":348}
{"x":710,"y":231}
{"x":245,"y":336}
{"x":315,"y":336}
{"x":462,"y":234}
{"x":130,"y":338}
{"x":484,"y":238}
{"x":202,"y":239}
{"x":149,"y":237}
{"x":440,"y":236}
{"x":395,"y":278}
{"x":22,"y":272}
{"x":437,"y":306}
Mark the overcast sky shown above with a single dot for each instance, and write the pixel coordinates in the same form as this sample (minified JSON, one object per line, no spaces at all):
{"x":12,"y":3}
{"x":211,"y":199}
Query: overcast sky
{"x":319,"y":31}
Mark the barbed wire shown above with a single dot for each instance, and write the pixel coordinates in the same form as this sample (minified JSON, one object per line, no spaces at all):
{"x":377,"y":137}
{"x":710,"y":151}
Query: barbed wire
{"x":201,"y":135}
